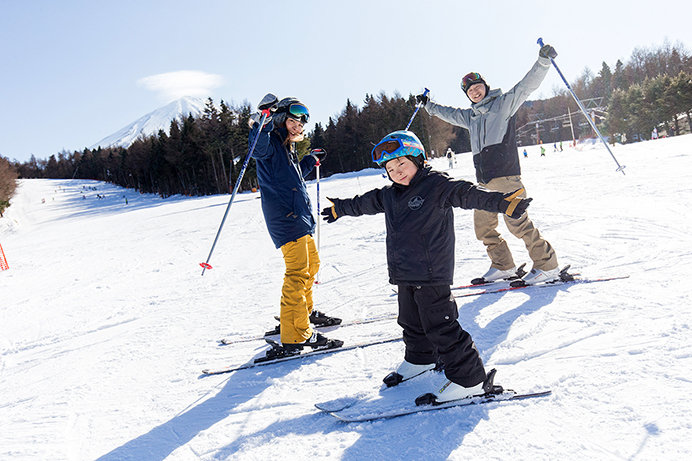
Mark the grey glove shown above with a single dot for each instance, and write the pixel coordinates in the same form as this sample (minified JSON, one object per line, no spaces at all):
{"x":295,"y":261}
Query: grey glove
{"x":547,"y":51}
{"x":268,"y":103}
{"x":256,"y":117}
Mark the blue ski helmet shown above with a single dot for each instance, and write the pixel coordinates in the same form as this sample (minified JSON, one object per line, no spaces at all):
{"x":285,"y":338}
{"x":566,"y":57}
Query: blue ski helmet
{"x":398,"y":144}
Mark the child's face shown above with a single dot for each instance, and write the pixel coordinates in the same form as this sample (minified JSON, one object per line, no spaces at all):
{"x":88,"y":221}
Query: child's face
{"x":401,"y":170}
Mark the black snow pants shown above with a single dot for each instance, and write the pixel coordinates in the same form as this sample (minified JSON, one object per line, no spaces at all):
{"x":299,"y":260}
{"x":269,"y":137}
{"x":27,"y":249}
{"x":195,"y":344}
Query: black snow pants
{"x":428,"y":315}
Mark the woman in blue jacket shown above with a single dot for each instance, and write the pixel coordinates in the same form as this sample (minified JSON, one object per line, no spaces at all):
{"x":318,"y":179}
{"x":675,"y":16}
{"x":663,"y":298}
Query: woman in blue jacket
{"x":288,"y":215}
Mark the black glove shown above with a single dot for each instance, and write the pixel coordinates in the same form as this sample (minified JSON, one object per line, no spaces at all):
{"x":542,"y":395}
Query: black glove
{"x":422,"y":98}
{"x":513,"y":205}
{"x":329,"y":213}
{"x":547,"y":51}
{"x":319,"y":154}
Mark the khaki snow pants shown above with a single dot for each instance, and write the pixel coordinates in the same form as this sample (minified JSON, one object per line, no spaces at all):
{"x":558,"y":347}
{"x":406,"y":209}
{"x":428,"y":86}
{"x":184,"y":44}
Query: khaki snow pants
{"x":485,"y":225}
{"x":302,"y":264}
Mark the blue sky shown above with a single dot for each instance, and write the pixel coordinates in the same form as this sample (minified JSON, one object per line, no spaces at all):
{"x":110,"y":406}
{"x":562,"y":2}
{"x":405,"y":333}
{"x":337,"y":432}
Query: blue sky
{"x":74,"y":71}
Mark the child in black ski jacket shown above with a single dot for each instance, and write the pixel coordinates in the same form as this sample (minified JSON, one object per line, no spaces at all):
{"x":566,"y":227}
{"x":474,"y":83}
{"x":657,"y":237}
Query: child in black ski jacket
{"x":420,"y":258}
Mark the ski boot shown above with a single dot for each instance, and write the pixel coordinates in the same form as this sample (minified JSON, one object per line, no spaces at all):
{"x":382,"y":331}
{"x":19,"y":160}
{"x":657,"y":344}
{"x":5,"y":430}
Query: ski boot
{"x":539,"y":276}
{"x":317,"y":318}
{"x":452,"y":391}
{"x":494,"y":274}
{"x":405,"y":372}
{"x":280,"y":350}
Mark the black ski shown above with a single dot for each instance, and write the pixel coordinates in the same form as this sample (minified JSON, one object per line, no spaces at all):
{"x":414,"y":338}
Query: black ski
{"x":301,"y":355}
{"x":229,"y":341}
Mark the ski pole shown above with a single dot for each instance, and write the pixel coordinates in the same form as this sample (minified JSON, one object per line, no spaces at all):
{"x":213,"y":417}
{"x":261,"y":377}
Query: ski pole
{"x":265,"y":113}
{"x":425,"y":93}
{"x":314,"y":153}
{"x":583,"y":109}
{"x":319,"y":239}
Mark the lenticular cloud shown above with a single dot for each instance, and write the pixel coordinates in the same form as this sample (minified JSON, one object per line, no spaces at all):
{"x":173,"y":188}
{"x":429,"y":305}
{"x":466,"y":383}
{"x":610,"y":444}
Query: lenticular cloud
{"x":174,"y":85}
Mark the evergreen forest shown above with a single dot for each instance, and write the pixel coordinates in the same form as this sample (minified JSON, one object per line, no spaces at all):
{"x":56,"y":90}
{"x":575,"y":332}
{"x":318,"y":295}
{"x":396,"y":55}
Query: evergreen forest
{"x":203,"y":155}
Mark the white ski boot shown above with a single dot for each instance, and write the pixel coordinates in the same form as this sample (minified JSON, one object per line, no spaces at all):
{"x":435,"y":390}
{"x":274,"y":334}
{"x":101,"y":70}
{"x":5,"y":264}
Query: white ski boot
{"x":539,"y":276}
{"x":497,"y":274}
{"x":452,"y":391}
{"x":406,"y":371}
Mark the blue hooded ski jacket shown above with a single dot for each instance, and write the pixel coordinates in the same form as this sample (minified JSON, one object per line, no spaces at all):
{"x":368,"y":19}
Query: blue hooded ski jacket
{"x":285,"y":201}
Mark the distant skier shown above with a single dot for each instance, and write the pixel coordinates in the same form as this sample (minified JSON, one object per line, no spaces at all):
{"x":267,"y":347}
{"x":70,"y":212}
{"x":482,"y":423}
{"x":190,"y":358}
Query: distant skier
{"x":525,"y":153}
{"x":542,"y":150}
{"x":450,"y":157}
{"x":654,"y":133}
{"x":420,"y":258}
{"x":491,"y":125}
{"x":288,"y":215}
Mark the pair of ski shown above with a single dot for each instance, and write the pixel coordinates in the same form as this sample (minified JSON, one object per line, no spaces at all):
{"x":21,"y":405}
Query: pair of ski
{"x":518,"y":284}
{"x":399,"y":402}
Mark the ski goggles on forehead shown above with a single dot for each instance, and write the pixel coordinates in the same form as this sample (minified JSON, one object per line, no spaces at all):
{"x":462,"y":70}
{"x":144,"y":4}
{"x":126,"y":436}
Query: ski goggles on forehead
{"x":469,"y":79}
{"x":391,"y":148}
{"x":299,"y":112}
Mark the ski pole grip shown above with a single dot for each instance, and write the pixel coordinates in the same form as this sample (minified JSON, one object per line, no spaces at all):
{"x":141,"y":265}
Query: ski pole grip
{"x":540,"y":41}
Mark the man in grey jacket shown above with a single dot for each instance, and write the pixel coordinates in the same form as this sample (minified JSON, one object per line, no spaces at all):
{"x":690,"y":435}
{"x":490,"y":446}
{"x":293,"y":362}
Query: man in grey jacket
{"x":491,"y":125}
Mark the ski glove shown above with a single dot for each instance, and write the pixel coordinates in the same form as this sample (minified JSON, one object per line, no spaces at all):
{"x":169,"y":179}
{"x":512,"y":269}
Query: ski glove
{"x":268,"y":103}
{"x":422,"y":98}
{"x":547,"y":51}
{"x":513,"y":205}
{"x":319,"y":154}
{"x":329,"y":213}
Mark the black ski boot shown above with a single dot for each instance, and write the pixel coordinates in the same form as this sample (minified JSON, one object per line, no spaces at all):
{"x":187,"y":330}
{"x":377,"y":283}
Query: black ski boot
{"x":317,"y":318}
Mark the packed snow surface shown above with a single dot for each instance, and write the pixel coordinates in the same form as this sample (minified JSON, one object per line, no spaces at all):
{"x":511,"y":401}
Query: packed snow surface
{"x":106,"y":323}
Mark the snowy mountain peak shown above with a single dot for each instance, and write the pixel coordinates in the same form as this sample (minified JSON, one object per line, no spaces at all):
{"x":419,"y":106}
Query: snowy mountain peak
{"x":151,"y":123}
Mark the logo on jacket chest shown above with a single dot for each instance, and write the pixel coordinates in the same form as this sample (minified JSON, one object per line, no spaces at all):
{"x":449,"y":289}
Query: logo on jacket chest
{"x":416,"y":202}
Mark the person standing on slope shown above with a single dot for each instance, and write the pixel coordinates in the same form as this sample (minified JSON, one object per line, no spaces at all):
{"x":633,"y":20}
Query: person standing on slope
{"x":288,"y":215}
{"x":491,"y":125}
{"x":419,"y":218}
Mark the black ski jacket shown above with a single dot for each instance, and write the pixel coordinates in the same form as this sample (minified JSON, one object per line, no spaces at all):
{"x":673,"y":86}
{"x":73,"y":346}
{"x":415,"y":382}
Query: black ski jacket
{"x":420,"y":223}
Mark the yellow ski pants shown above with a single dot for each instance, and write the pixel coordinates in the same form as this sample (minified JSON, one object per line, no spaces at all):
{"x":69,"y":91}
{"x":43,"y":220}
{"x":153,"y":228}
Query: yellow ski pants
{"x":302,"y":264}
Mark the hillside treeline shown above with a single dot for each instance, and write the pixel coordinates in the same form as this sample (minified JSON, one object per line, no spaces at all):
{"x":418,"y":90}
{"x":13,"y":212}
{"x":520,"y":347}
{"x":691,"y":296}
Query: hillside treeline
{"x":8,"y":183}
{"x":203,"y":155}
{"x":652,"y":90}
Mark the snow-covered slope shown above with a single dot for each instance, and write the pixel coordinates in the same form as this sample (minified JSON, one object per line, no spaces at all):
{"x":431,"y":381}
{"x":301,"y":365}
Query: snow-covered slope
{"x":160,"y":119}
{"x":106,"y":323}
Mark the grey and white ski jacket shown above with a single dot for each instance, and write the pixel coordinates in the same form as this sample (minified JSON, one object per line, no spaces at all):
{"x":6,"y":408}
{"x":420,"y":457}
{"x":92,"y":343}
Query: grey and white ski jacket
{"x":491,"y":124}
